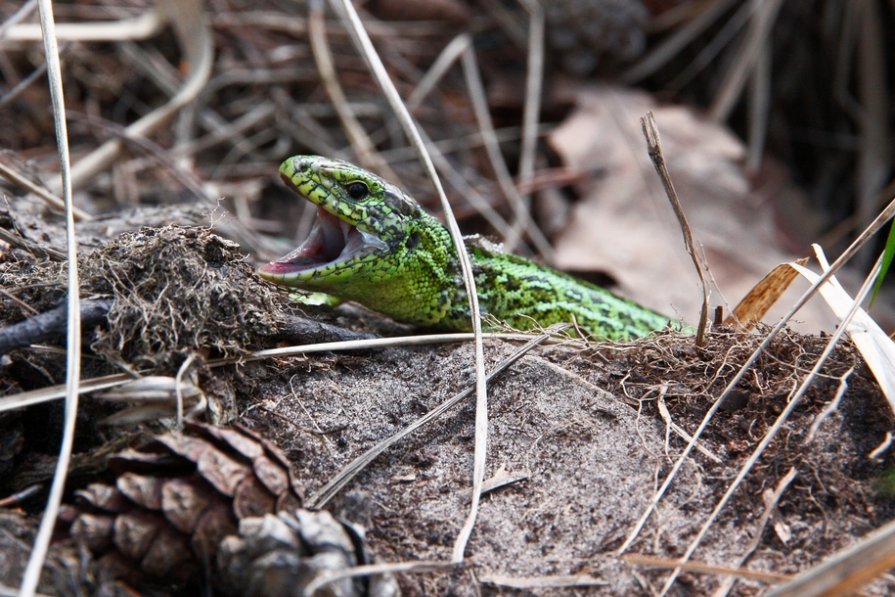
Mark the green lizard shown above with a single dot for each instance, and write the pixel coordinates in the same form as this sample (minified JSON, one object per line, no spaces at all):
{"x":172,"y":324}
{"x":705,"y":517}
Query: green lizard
{"x":374,"y":244}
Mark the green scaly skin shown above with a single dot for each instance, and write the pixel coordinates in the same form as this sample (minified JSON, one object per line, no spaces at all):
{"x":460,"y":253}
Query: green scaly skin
{"x":383,"y":251}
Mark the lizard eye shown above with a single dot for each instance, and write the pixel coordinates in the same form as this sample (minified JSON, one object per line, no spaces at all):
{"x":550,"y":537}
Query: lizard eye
{"x":357,"y":190}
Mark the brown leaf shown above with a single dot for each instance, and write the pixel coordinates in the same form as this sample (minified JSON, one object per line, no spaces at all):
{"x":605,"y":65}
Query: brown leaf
{"x":753,"y":307}
{"x":624,"y":226}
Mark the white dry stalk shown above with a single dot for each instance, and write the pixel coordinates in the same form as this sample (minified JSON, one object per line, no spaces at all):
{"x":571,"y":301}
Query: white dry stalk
{"x":335,"y":484}
{"x":360,"y":140}
{"x":882,"y":447}
{"x":19,"y":179}
{"x":704,"y":567}
{"x":410,"y":567}
{"x":534,"y":80}
{"x":763,"y":16}
{"x":672,"y":45}
{"x":534,"y":583}
{"x":461,"y":48}
{"x":436,"y":72}
{"x":365,"y":344}
{"x":190,"y":25}
{"x":466,"y":190}
{"x":51,"y":393}
{"x":847,"y":570}
{"x":73,"y":340}
{"x":872,"y":342}
{"x":654,"y":146}
{"x":498,"y":164}
{"x":830,"y":408}
{"x":136,"y":28}
{"x":365,"y":46}
{"x":771,"y":499}
{"x":178,"y":387}
{"x":450,"y":54}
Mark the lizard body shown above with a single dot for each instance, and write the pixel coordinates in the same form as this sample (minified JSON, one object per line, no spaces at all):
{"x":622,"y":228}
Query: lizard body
{"x":375,"y":245}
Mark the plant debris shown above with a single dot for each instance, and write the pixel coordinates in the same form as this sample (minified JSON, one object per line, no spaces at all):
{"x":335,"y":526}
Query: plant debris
{"x":580,"y":436}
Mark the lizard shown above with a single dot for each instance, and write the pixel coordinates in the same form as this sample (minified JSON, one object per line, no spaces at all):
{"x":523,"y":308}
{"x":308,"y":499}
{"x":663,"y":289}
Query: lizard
{"x":374,"y":244}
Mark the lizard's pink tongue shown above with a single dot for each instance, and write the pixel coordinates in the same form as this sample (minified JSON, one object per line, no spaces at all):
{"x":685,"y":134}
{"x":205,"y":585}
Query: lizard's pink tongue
{"x":334,"y":232}
{"x":325,"y":243}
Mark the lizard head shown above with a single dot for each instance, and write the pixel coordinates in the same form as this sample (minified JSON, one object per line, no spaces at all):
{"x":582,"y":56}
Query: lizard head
{"x":359,"y":217}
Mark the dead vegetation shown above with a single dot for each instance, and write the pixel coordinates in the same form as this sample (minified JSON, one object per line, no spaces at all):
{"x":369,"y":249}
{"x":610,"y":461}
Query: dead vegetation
{"x":203,"y":107}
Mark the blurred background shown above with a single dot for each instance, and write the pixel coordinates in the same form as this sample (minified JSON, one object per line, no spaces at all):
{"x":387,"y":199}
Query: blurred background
{"x":774,"y":118}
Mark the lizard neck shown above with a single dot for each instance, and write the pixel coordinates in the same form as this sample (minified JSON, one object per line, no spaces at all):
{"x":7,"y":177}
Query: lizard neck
{"x":417,"y":281}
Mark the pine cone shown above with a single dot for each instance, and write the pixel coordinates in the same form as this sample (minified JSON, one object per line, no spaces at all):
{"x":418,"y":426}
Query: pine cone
{"x":204,"y":501}
{"x":282,"y":555}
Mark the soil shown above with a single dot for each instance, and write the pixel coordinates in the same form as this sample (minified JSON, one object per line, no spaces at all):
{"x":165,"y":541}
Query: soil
{"x":577,"y":439}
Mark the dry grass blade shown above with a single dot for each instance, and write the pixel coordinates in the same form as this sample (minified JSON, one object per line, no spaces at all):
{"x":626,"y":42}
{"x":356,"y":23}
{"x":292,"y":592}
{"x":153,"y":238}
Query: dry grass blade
{"x":23,"y":12}
{"x":755,"y":305}
{"x":365,"y":46}
{"x":16,"y":499}
{"x":672,"y":46}
{"x":461,"y":47}
{"x":19,"y":88}
{"x":191,"y":27}
{"x":236,"y":228}
{"x":871,"y":341}
{"x":859,"y":242}
{"x":141,"y":27}
{"x":179,"y":387}
{"x":791,"y":405}
{"x":152,"y":398}
{"x":874,"y":157}
{"x":366,"y":150}
{"x":436,"y":72}
{"x":668,"y":563}
{"x":831,"y":407}
{"x":728,"y":29}
{"x":651,"y":132}
{"x":334,"y":485}
{"x":48,"y":394}
{"x":845,"y":571}
{"x":73,"y":340}
{"x":759,"y":109}
{"x":36,"y":249}
{"x":670,"y":426}
{"x":534,"y":81}
{"x":415,"y":567}
{"x":478,"y":202}
{"x":504,"y":179}
{"x":16,"y":178}
{"x":531,"y":583}
{"x":756,"y":38}
{"x":10,"y":592}
{"x":772,"y":498}
{"x":445,"y":60}
{"x":361,"y":345}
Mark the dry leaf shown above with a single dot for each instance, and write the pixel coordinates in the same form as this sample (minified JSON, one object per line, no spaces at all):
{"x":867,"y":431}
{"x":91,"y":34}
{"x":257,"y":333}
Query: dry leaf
{"x":753,"y":307}
{"x":625,"y":227}
{"x":871,"y":341}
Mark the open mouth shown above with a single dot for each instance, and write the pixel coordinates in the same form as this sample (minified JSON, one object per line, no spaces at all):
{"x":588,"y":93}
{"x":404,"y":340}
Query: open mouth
{"x":330,"y":241}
